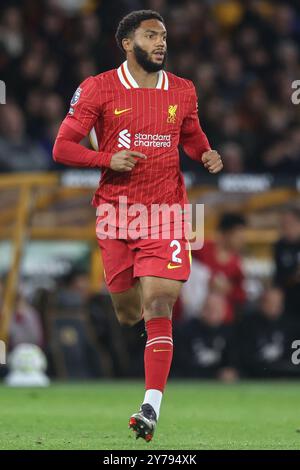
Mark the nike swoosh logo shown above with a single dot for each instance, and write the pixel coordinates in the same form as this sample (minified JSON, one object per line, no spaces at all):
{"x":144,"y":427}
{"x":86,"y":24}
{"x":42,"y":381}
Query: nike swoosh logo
{"x":172,"y":266}
{"x":121,"y":111}
{"x":162,"y":350}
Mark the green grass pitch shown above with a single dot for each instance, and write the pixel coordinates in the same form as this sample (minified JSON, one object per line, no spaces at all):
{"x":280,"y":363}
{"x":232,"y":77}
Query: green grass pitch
{"x":194,"y":415}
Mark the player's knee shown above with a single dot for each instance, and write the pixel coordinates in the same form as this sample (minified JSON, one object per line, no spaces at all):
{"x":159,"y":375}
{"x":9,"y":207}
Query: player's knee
{"x":159,"y":305}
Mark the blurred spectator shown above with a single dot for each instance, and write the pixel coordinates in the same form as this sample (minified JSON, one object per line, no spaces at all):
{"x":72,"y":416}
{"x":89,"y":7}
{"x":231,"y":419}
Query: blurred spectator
{"x":194,"y":291}
{"x":287,"y":260}
{"x":11,"y":31}
{"x":1,"y":296}
{"x":222,"y":257}
{"x":25,"y":326}
{"x":17,"y":151}
{"x":204,"y":345}
{"x":265,"y":338}
{"x":233,"y":158}
{"x":73,"y":349}
{"x":74,"y":291}
{"x":123,"y":345}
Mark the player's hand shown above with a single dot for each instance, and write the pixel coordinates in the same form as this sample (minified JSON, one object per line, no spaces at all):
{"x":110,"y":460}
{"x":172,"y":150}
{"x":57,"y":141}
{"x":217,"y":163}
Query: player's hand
{"x":125,"y":160}
{"x":212,"y":161}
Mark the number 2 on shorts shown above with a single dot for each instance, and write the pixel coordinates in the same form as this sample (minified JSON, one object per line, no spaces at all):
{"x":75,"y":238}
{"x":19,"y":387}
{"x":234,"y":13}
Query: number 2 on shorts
{"x":175,"y":258}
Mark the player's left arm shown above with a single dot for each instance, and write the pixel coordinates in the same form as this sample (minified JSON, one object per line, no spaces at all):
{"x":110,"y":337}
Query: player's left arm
{"x":195,"y":142}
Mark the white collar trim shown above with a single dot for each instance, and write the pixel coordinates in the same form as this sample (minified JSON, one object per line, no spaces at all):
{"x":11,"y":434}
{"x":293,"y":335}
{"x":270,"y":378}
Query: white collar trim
{"x":129,"y":76}
{"x":129,"y":82}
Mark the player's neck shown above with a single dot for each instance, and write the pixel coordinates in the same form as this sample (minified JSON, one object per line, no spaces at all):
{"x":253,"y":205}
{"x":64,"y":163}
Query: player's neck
{"x":143,"y":79}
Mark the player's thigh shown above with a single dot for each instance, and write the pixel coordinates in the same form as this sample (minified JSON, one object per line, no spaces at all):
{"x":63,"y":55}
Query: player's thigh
{"x":118,"y":262}
{"x":159,"y":295}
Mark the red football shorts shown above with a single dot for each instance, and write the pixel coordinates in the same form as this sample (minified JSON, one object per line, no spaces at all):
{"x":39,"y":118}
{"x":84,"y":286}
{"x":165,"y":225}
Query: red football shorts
{"x":125,"y":260}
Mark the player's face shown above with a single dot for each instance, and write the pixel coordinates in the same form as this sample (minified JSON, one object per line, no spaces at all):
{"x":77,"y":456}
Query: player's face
{"x":150,"y":45}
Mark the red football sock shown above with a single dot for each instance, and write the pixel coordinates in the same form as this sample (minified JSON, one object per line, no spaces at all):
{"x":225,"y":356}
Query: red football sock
{"x":158,"y":353}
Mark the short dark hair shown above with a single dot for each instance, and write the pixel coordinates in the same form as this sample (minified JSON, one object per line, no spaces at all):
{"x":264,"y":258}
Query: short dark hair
{"x":230,"y":221}
{"x":132,"y":21}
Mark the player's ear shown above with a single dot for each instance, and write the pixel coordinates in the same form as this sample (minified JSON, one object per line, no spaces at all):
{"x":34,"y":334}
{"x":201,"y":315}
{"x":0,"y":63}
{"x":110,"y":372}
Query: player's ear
{"x":127,"y":44}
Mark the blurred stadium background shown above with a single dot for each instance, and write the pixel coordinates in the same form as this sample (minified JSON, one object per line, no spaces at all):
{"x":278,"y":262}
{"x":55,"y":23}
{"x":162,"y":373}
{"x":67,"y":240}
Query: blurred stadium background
{"x":240,"y":312}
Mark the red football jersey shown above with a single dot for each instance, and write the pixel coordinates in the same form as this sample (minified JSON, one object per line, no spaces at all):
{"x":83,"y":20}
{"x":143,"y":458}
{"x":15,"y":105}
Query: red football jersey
{"x":119,"y":115}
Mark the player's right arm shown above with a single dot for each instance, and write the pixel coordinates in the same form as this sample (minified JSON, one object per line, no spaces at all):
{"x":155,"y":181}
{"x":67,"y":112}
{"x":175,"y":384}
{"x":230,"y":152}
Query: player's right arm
{"x":84,"y":112}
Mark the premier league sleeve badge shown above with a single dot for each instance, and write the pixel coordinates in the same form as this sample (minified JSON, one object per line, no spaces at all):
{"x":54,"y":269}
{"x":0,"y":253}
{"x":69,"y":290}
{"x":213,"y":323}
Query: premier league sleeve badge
{"x":76,"y":96}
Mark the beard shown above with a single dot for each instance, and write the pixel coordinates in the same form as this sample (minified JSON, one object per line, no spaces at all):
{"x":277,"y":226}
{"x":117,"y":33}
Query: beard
{"x":143,"y":59}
